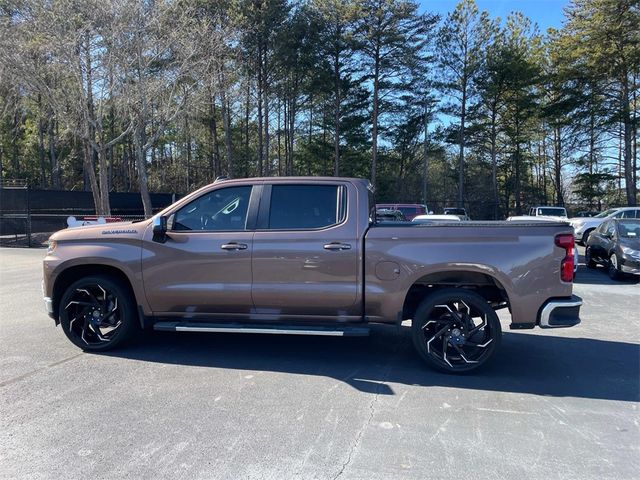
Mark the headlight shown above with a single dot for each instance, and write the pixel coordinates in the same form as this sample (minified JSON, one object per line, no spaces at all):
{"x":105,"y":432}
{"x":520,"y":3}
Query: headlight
{"x":631,"y":252}
{"x":52,"y":247}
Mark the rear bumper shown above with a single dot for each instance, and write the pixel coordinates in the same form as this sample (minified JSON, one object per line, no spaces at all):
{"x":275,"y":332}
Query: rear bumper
{"x":560,"y":312}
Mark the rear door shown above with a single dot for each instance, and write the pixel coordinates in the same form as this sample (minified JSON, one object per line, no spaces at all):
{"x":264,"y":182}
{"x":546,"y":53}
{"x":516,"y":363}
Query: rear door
{"x":306,"y":254}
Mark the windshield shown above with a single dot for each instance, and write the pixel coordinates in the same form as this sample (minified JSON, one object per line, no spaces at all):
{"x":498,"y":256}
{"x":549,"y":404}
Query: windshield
{"x":629,"y":229}
{"x":606,"y":213}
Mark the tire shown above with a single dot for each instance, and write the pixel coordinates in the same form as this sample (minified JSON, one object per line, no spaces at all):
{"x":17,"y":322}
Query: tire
{"x":585,"y":236}
{"x":614,"y":267}
{"x":588,"y":259}
{"x":97,"y":313}
{"x":456,"y":331}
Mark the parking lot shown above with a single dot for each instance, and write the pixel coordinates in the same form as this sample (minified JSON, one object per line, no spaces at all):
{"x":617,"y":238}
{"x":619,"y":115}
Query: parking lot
{"x":560,"y":404}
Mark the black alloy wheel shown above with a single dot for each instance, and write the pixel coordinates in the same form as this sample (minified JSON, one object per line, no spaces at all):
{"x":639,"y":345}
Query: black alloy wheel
{"x":97,"y":313}
{"x":456,"y":330}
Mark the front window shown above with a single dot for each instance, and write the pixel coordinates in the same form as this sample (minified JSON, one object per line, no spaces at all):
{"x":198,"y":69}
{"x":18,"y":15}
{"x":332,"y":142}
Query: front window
{"x":224,"y":209}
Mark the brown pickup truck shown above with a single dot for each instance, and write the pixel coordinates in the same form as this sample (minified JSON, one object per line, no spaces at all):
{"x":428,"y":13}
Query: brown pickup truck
{"x":306,"y":256}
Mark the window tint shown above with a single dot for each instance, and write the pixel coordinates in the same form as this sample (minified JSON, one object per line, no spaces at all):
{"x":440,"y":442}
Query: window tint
{"x":224,"y":209}
{"x":628,"y":214}
{"x":296,"y":207}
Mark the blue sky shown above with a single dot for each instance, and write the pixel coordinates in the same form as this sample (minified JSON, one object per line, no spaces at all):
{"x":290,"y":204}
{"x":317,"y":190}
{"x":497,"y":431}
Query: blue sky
{"x":546,"y":13}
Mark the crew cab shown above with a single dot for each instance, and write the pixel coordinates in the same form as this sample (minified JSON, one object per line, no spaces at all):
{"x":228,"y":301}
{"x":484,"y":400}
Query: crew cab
{"x":299,"y":255}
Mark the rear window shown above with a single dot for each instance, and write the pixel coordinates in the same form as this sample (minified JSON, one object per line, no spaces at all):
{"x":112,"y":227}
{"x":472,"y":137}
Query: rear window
{"x":303,"y":207}
{"x":552,"y":212}
{"x":455,"y":211}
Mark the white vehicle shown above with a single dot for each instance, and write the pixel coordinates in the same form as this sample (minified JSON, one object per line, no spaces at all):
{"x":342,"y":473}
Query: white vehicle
{"x":554,"y":212}
{"x":583,"y":226}
{"x":435,"y":218}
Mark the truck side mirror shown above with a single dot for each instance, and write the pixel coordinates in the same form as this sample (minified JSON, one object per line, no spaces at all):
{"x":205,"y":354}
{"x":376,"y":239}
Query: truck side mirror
{"x":160,"y":229}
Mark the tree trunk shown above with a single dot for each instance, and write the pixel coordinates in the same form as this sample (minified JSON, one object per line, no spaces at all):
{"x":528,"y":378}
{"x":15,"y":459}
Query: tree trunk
{"x":226,"y":125}
{"x":374,"y":119}
{"x":630,"y":186}
{"x":494,"y":164}
{"x":104,"y":182}
{"x":425,"y":153}
{"x":336,"y":106}
{"x":557,"y":159}
{"x":141,"y":154}
{"x":260,"y":137}
{"x":41,"y":149}
{"x":214,"y":160}
{"x":461,"y":142}
{"x":90,"y":174}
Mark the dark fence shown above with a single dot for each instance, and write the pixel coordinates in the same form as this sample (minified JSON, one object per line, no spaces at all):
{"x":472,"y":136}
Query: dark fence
{"x":28,"y":217}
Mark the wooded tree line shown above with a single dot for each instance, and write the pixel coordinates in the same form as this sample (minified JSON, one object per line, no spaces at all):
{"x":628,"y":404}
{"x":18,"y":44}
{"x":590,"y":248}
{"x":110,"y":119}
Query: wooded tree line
{"x":166,"y":95}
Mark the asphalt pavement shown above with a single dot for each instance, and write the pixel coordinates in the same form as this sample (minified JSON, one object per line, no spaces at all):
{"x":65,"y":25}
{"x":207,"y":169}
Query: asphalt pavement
{"x":554,"y":404}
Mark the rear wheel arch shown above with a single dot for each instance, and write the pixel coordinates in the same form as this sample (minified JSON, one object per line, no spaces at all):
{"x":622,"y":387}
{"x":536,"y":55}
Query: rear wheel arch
{"x":487,"y":286}
{"x":585,"y":235}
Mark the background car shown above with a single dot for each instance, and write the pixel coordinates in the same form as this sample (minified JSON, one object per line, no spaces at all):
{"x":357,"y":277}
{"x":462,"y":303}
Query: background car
{"x":459,"y":212}
{"x":435,"y":218}
{"x":583,"y":227}
{"x":586,"y":213}
{"x":616,"y":245}
{"x":409,"y":210}
{"x":387,"y":215}
{"x":544,"y":211}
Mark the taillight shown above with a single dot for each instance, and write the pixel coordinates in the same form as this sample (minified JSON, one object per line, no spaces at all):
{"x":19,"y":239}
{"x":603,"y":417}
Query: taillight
{"x":566,"y":241}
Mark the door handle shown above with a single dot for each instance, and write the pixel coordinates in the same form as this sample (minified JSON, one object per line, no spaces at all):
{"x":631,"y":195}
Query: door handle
{"x":233,"y":246}
{"x":337,"y":246}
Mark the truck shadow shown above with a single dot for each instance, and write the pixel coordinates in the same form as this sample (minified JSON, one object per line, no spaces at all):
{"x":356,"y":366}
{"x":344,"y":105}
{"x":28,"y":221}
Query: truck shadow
{"x":526,"y":363}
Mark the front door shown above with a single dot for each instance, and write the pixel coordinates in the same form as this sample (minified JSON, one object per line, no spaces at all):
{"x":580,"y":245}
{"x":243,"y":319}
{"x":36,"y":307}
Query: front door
{"x":203,"y":269}
{"x":306,"y":255}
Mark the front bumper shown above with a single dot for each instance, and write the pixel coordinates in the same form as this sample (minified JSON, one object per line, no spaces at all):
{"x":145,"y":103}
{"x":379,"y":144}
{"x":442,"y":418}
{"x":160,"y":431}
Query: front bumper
{"x":560,"y":312}
{"x":48,"y":306}
{"x":630,"y":264}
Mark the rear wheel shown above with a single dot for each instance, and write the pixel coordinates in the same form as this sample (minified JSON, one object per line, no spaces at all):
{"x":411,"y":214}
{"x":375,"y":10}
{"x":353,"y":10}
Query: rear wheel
{"x":97,"y":313}
{"x":614,"y":267}
{"x":456,"y":330}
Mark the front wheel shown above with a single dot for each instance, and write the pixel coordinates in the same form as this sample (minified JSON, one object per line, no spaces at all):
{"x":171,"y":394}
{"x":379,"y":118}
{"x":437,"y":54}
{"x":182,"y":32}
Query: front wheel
{"x":614,"y":267}
{"x":97,"y":313}
{"x":455,"y":330}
